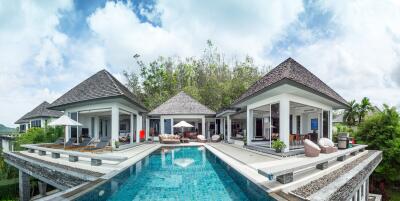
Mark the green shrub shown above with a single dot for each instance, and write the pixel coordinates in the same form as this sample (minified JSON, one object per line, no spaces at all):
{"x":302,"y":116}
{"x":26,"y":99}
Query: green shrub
{"x":278,"y":145}
{"x":9,"y":189}
{"x":381,"y":131}
{"x":39,"y":135}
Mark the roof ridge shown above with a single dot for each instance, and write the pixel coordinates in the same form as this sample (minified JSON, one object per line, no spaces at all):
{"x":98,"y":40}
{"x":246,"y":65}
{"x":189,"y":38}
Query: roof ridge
{"x":113,"y":81}
{"x":195,"y":100}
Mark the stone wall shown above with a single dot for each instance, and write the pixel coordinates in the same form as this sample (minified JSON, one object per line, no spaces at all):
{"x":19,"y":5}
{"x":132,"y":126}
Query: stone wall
{"x":347,"y":191}
{"x":43,"y":172}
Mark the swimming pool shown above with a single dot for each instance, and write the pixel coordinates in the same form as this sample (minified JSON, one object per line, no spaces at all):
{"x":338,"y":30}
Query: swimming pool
{"x":184,"y":173}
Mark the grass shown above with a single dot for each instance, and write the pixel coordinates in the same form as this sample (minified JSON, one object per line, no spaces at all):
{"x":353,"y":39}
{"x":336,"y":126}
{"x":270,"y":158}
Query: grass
{"x":393,"y":194}
{"x":9,"y":189}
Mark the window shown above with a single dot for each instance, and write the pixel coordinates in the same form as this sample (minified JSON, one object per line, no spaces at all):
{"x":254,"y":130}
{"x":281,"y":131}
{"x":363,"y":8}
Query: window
{"x":275,"y":121}
{"x":22,"y":128}
{"x":74,"y":129}
{"x":325,"y":124}
{"x":290,"y":123}
{"x":36,"y":123}
{"x":154,"y":127}
{"x":167,"y":126}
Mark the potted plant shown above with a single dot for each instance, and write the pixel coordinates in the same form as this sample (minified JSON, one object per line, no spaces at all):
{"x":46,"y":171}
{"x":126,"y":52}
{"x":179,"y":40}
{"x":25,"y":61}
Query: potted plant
{"x":278,"y":145}
{"x":116,"y":144}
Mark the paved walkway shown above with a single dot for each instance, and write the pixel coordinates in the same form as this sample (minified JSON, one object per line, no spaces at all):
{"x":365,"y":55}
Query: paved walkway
{"x":244,"y":156}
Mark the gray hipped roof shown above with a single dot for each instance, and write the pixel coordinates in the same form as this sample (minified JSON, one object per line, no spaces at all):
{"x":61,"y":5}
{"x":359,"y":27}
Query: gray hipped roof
{"x":291,"y":72}
{"x":182,"y":104}
{"x":39,"y":111}
{"x":99,"y":86}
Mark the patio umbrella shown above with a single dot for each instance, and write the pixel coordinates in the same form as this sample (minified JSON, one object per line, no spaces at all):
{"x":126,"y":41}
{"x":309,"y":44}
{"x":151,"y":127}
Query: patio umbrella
{"x":183,"y":124}
{"x":64,"y":121}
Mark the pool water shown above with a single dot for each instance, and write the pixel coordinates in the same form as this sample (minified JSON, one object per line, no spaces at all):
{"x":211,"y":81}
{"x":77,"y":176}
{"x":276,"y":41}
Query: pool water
{"x":184,"y":173}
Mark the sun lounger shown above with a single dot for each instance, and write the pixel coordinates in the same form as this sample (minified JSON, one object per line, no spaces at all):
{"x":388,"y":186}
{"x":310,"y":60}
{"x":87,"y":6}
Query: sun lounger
{"x":57,"y":143}
{"x":85,"y":142}
{"x":100,"y":146}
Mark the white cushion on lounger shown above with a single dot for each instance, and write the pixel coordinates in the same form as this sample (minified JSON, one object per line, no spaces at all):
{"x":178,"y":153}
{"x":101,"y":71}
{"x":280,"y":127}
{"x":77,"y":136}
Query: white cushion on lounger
{"x":325,"y":142}
{"x":215,"y":137}
{"x":201,"y":137}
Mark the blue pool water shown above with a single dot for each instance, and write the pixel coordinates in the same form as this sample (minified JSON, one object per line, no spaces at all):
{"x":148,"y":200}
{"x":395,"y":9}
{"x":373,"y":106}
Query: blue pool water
{"x":186,"y":173}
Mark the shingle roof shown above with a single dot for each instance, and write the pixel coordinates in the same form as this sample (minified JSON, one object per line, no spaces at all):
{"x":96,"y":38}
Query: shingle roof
{"x":291,"y":70}
{"x":182,"y":104}
{"x":39,"y":111}
{"x":99,"y":86}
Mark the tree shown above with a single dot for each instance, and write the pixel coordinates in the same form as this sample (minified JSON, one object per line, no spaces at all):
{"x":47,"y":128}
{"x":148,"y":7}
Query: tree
{"x":381,"y":131}
{"x":351,"y":114}
{"x":363,"y":108}
{"x":209,"y":79}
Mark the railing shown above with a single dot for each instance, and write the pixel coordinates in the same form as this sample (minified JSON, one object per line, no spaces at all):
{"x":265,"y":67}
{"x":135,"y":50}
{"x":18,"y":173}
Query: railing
{"x":96,"y":159}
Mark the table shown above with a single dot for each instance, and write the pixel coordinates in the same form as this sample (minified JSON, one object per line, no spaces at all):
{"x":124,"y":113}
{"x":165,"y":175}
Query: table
{"x":185,"y":140}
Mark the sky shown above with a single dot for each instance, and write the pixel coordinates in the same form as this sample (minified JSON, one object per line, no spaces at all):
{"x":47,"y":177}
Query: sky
{"x":48,"y":47}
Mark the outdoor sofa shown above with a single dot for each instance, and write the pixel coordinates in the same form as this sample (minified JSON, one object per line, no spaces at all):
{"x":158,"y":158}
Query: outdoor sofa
{"x":169,"y":139}
{"x":201,"y":138}
{"x":215,"y":138}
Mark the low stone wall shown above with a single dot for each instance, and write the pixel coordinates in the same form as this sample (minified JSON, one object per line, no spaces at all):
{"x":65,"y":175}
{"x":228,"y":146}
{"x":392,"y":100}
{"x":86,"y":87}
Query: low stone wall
{"x":347,"y":191}
{"x":57,"y":178}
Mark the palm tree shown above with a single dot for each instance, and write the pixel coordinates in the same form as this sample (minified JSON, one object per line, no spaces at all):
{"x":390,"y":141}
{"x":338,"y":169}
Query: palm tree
{"x":351,"y":113}
{"x":364,"y":107}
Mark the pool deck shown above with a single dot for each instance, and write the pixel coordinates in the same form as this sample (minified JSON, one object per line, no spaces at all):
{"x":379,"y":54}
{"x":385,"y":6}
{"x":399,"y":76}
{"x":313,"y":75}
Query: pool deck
{"x":247,"y":162}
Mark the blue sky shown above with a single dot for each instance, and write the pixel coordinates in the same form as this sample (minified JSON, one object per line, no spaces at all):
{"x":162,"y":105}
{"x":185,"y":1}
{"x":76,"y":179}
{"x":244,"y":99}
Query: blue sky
{"x":47,"y":47}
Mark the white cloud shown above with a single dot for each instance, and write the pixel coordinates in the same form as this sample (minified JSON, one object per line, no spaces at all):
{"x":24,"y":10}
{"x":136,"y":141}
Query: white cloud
{"x":238,"y":28}
{"x":39,"y":62}
{"x":360,"y":60}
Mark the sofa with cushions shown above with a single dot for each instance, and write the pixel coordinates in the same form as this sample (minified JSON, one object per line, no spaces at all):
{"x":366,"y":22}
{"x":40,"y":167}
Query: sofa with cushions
{"x":169,"y":139}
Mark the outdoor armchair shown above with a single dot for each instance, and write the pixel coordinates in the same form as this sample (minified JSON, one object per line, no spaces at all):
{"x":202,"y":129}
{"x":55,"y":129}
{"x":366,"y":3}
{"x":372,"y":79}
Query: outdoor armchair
{"x":311,"y":149}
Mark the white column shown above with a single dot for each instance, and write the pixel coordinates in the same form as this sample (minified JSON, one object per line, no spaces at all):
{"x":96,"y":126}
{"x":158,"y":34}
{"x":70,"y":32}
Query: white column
{"x":147,"y":128}
{"x":249,"y":130}
{"x":330,"y":124}
{"x":132,"y":129}
{"x":284,"y":114}
{"x":114,"y":125}
{"x":139,"y":122}
{"x":77,"y":128}
{"x":162,"y":129}
{"x":228,"y":119}
{"x":96,"y":127}
{"x":67,"y":133}
{"x":221,"y":125}
{"x":203,"y":126}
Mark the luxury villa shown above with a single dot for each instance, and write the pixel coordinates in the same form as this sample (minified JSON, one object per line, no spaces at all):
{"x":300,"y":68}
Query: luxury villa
{"x":288,"y":104}
{"x":39,"y":117}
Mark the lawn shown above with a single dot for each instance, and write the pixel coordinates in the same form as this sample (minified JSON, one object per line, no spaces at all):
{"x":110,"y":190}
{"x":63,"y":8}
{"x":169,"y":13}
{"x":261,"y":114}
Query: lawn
{"x":393,"y":194}
{"x":9,"y":189}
